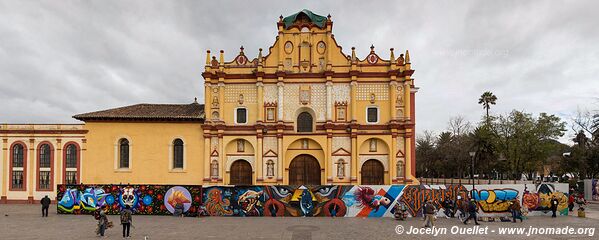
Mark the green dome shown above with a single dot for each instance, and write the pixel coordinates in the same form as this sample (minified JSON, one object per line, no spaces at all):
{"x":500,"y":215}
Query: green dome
{"x":318,"y":20}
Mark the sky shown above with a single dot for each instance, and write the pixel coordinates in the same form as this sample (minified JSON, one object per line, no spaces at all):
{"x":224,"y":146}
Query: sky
{"x":61,"y":58}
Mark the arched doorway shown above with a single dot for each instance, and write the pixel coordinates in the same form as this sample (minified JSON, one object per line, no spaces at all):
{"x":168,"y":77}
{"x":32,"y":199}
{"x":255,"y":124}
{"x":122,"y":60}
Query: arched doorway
{"x":373,"y":173}
{"x":304,"y":122}
{"x":304,"y":170}
{"x":241,"y":173}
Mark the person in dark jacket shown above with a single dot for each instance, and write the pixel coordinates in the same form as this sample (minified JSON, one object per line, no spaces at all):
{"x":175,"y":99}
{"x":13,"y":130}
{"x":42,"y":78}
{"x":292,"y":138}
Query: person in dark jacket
{"x":516,"y":210}
{"x":554,"y":204}
{"x":45,"y":205}
{"x":472,"y":210}
{"x":126,"y":219}
{"x":429,"y":214}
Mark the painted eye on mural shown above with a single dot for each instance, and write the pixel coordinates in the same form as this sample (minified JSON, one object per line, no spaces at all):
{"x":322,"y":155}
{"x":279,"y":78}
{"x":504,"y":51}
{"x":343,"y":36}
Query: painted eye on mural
{"x":326,"y":190}
{"x":281,"y":191}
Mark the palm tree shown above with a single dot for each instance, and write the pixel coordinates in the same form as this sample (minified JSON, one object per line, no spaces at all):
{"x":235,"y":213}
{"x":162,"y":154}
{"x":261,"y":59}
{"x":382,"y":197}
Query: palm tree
{"x":487,"y":99}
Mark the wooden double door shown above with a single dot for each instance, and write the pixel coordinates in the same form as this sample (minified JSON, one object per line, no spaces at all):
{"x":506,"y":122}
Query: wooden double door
{"x":304,"y":170}
{"x":241,"y":173}
{"x":373,"y":173}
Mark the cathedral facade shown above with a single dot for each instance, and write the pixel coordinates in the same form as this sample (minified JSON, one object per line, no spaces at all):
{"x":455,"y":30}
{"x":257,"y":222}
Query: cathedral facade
{"x":302,"y":112}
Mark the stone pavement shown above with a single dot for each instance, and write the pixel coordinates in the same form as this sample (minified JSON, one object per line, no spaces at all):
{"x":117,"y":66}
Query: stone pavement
{"x":24,"y":222}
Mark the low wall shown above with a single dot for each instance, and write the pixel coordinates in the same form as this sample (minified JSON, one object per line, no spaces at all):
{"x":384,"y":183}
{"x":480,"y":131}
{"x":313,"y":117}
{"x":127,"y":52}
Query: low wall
{"x":295,"y":201}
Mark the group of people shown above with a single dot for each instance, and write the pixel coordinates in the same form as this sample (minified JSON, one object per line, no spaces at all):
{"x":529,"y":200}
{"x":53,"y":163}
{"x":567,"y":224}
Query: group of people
{"x":463,"y":209}
{"x":576,"y":198}
{"x":126,"y":218}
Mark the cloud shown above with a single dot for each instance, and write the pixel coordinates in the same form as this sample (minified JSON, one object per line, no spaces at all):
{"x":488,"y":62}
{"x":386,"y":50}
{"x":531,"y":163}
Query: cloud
{"x":60,"y":59}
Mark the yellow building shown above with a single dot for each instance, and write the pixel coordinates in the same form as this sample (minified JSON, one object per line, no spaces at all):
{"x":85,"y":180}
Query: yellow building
{"x":303,"y":113}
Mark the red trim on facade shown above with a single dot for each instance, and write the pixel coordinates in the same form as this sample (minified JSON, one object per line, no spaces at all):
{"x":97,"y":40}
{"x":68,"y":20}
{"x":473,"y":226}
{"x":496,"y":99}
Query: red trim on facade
{"x":37,"y":170}
{"x":64,"y":161}
{"x":25,"y":149}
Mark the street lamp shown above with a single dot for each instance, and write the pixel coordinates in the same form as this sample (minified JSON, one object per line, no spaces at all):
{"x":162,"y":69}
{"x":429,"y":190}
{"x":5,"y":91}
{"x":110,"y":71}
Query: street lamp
{"x":472,"y":154}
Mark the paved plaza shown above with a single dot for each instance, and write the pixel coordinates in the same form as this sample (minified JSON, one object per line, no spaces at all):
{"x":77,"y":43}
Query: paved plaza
{"x":24,"y":222}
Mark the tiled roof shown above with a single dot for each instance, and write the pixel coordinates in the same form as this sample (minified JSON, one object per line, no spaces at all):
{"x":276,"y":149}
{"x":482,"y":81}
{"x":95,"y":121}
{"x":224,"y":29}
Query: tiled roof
{"x":148,"y":112}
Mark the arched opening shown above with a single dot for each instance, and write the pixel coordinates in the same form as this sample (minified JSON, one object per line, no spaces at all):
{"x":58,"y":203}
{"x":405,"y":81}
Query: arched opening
{"x":373,"y":173}
{"x":304,"y":170}
{"x":123,"y":153}
{"x":304,"y":122}
{"x":241,"y":173}
{"x":178,"y":154}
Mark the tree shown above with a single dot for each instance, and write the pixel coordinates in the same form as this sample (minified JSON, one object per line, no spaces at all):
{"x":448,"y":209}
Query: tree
{"x":487,"y":99}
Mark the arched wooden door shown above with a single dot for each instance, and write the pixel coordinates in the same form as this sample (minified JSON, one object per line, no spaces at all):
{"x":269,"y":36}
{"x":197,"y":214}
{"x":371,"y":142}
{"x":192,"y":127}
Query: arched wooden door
{"x":373,"y":173}
{"x":304,"y":170}
{"x":241,"y":173}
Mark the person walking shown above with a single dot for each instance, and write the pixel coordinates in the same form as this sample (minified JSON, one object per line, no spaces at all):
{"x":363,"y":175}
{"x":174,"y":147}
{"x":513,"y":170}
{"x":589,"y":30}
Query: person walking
{"x":102,"y":222}
{"x":429,"y":214}
{"x":516,"y":210}
{"x":554,"y":204}
{"x":45,"y":205}
{"x":126,"y":219}
{"x":448,"y":205}
{"x":472,"y":210}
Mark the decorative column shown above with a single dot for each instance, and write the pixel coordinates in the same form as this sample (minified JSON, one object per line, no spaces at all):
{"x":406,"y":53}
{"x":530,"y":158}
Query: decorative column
{"x":408,"y":156}
{"x":393,"y":98}
{"x":221,"y":157}
{"x":354,"y":156}
{"x":31,"y":164}
{"x":5,"y":158}
{"x":328,"y":158}
{"x":207,"y":99}
{"x":260,"y":109}
{"x":280,"y":90}
{"x":393,"y":157}
{"x":207,"y":152}
{"x":59,"y":162}
{"x":406,"y":92}
{"x":258,"y":157}
{"x":221,"y":99}
{"x":280,"y":157}
{"x":354,"y":86}
{"x":329,"y":105}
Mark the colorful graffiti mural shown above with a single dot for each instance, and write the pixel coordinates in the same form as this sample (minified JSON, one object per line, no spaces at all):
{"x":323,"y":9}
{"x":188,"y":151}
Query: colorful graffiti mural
{"x":538,"y":199}
{"x":234,"y":201}
{"x":414,"y":196}
{"x":495,"y":200}
{"x":142,"y":199}
{"x":372,"y":201}
{"x":306,"y":201}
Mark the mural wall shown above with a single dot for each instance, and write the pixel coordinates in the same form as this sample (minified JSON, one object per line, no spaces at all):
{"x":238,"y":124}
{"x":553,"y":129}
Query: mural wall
{"x":307,"y":201}
{"x":142,"y":199}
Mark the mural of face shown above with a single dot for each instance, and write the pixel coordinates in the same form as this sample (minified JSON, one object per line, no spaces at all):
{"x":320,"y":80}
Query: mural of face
{"x":128,"y":197}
